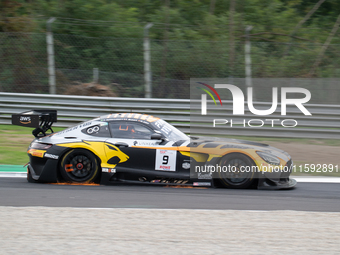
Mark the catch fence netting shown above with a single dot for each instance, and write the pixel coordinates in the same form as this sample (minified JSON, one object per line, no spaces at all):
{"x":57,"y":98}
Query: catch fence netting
{"x":119,"y":65}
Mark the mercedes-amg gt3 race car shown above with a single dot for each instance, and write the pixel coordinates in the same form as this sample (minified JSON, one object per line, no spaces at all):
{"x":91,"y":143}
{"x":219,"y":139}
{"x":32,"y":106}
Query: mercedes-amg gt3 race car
{"x":139,"y":148}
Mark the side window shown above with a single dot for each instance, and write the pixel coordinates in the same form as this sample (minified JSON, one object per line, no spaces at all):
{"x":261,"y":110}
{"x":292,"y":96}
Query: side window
{"x":97,"y":130}
{"x":130,"y":130}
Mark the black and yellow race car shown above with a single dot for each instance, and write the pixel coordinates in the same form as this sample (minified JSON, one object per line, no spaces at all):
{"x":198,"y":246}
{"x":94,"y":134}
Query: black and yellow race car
{"x":143,"y":149}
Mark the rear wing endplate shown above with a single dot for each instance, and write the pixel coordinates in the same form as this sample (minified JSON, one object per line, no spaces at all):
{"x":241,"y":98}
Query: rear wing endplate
{"x":41,"y":120}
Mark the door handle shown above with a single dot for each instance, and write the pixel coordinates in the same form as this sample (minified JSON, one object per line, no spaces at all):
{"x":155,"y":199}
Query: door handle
{"x":121,"y":144}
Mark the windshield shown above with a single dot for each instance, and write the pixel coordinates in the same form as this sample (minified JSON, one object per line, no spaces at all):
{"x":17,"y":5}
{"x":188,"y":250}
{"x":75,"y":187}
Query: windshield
{"x":169,"y":131}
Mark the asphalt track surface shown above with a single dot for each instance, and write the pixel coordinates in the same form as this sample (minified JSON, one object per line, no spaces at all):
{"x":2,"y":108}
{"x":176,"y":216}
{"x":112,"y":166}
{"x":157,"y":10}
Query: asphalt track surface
{"x":322,"y":197}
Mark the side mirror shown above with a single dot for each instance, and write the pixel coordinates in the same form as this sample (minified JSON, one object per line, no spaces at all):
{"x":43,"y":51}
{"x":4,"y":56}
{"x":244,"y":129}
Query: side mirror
{"x":156,"y":136}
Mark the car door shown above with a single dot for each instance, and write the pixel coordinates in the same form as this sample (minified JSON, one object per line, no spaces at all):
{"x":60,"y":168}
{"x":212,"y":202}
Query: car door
{"x":134,"y":140}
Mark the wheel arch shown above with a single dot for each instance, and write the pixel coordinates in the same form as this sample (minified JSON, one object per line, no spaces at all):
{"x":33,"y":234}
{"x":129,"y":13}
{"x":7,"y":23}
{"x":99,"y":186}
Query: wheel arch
{"x":246,"y":153}
{"x":242,"y":153}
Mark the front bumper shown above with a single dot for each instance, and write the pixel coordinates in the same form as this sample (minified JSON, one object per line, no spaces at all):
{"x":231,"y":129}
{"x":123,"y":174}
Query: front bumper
{"x":277,"y":180}
{"x":266,"y":184}
{"x":43,"y":170}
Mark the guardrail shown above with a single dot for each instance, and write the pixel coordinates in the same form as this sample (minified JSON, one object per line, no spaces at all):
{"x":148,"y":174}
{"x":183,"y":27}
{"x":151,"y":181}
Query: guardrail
{"x":324,"y":122}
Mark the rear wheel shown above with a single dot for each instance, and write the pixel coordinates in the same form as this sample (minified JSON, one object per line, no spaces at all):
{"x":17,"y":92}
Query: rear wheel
{"x":79,"y":165}
{"x":239,"y":174}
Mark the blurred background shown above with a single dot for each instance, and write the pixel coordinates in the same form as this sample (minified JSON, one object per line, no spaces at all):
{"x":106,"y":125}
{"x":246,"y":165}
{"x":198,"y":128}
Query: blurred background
{"x":98,"y":47}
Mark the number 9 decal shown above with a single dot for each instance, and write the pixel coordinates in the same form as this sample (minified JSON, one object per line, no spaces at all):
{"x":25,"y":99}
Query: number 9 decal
{"x":165,"y":160}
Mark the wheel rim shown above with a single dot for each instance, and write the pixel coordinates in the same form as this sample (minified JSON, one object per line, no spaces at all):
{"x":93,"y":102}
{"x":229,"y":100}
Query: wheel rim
{"x":235,"y":176}
{"x":79,"y":167}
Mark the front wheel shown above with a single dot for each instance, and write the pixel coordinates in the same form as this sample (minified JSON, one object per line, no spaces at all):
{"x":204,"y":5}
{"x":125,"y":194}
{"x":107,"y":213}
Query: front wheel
{"x":240,"y":174}
{"x":79,"y":165}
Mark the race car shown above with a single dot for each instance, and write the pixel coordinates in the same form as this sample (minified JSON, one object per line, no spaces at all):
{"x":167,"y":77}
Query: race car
{"x":140,"y":148}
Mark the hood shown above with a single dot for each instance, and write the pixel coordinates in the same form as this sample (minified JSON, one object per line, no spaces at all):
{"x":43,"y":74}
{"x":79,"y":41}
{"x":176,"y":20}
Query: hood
{"x":224,"y":143}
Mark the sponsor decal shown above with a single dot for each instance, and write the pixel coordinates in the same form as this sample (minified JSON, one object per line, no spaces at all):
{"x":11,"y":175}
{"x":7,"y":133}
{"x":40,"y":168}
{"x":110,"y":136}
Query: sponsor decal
{"x":136,"y":143}
{"x":85,"y":124}
{"x":75,"y":128}
{"x":186,"y":165}
{"x":164,"y":167}
{"x":201,"y":184}
{"x":108,"y":170}
{"x":92,"y":130}
{"x":68,"y":130}
{"x":25,"y":120}
{"x":47,"y":155}
{"x":36,"y":153}
{"x":204,"y":176}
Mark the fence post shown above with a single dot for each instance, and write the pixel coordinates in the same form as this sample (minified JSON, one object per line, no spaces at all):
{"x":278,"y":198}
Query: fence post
{"x":147,"y":66}
{"x":247,"y":47}
{"x":231,"y":41}
{"x":50,"y":57}
{"x":95,"y":75}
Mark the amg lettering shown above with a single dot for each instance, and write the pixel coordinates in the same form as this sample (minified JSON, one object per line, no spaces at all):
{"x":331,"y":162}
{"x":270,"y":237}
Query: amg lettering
{"x":47,"y":155}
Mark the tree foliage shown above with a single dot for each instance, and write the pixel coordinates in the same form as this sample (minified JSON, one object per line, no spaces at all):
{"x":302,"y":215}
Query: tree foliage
{"x":108,"y":34}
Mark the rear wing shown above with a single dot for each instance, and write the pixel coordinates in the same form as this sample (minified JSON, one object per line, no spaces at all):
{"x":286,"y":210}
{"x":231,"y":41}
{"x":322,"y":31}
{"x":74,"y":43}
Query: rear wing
{"x":41,"y":120}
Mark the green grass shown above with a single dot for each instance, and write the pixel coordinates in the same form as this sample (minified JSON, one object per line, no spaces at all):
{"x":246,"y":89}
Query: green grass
{"x":14,"y":141}
{"x":22,"y":130}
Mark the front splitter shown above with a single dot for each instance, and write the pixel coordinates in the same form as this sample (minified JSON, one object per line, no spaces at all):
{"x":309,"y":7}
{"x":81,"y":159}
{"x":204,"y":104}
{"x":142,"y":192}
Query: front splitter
{"x":265,"y":184}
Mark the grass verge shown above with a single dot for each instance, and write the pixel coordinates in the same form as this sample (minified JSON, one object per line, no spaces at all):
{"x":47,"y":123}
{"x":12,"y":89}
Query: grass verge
{"x":14,"y":141}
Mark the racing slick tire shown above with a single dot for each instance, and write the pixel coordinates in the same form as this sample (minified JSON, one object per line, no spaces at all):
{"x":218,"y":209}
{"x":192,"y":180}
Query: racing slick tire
{"x":79,"y":165}
{"x":237,"y":177}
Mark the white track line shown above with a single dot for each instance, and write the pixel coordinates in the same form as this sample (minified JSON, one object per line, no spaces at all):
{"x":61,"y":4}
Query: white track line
{"x":319,"y":179}
{"x":13,"y":174}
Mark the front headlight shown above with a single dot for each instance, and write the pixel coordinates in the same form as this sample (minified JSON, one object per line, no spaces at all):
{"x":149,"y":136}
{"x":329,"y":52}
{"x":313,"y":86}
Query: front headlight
{"x":270,"y":159}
